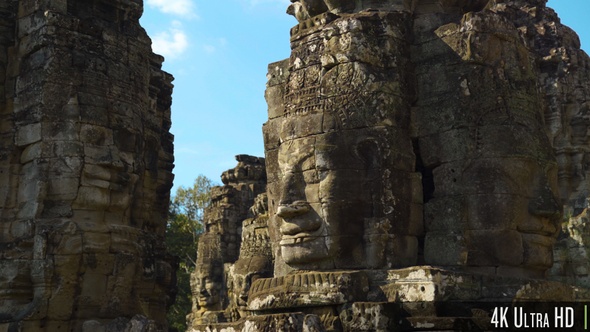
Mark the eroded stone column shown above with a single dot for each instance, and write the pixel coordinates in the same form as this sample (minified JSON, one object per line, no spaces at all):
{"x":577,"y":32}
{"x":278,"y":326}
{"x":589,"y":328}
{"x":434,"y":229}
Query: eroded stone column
{"x":219,"y":246}
{"x":84,"y":215}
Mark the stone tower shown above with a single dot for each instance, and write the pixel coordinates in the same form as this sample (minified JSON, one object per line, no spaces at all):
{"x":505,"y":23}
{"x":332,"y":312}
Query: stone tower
{"x":85,"y":167}
{"x":219,"y":246}
{"x":419,"y":156}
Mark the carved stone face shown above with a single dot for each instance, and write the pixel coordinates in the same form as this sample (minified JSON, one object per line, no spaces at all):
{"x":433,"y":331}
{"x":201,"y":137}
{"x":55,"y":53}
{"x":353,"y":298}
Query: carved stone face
{"x":246,"y":271}
{"x":499,"y":210}
{"x":329,"y":185}
{"x":514,"y":212}
{"x":340,"y":160}
{"x":208,"y":291}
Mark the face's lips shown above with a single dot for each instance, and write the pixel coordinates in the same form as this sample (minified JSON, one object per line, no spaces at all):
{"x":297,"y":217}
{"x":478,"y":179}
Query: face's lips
{"x":540,"y":226}
{"x":298,"y":240}
{"x":296,"y":221}
{"x":302,"y":237}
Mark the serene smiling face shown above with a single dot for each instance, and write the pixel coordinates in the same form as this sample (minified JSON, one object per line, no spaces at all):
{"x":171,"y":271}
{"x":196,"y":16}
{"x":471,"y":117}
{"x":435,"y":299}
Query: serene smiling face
{"x":513,"y":212}
{"x":246,"y":271}
{"x":329,"y":185}
{"x":208,"y":295}
{"x":499,"y":208}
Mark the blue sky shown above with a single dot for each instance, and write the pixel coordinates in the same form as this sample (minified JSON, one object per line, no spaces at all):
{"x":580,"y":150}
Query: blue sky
{"x":218,"y":52}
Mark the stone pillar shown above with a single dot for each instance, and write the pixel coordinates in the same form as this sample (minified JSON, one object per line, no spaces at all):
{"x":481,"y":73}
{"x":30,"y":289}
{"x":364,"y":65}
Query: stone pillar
{"x":342,"y":190}
{"x":89,"y":179}
{"x":255,"y":259}
{"x":219,"y":246}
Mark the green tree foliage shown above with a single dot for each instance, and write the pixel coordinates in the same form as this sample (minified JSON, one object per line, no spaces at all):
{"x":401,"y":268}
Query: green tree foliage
{"x":185,"y":224}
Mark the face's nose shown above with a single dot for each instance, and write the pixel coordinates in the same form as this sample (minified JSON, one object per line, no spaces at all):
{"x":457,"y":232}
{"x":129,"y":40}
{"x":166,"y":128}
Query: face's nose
{"x":546,"y":204}
{"x":297,"y":208}
{"x":292,"y":188}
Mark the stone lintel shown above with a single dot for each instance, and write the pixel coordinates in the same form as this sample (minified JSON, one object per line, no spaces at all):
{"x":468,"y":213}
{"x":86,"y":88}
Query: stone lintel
{"x":309,"y":289}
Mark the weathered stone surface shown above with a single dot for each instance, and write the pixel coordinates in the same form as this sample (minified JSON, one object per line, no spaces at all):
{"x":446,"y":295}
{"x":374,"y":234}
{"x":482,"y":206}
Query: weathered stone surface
{"x":497,"y":161}
{"x":449,"y":134}
{"x":235,"y":232}
{"x":308,"y":290}
{"x":255,"y":259}
{"x":85,"y":168}
{"x":344,"y":159}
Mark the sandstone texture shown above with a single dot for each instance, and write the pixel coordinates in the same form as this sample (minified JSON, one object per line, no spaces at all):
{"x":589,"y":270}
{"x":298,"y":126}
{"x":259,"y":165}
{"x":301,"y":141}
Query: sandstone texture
{"x":85,"y":169}
{"x":234,"y":246}
{"x":425,"y":161}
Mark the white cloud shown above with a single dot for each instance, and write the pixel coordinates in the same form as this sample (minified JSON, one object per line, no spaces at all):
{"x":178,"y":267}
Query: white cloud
{"x":172,"y":43}
{"x":185,"y":8}
{"x":219,"y":43}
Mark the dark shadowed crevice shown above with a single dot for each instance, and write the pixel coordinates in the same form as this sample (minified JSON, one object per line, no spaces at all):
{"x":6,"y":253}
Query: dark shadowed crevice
{"x":427,"y":176}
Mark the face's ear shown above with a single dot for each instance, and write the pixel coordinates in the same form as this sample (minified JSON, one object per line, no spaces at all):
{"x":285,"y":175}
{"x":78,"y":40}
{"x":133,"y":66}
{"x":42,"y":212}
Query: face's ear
{"x":369,"y":152}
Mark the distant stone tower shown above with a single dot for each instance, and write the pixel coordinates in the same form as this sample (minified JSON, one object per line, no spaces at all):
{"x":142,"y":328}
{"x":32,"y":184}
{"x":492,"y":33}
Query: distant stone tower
{"x":219,"y":246}
{"x":85,"y":167}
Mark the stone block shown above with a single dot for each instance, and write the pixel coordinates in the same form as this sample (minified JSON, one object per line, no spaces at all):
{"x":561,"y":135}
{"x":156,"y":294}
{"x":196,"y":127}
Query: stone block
{"x":537,"y":250}
{"x":96,"y":135}
{"x":302,"y":290}
{"x":447,"y":146}
{"x":97,"y":172}
{"x":66,"y":274}
{"x":65,"y":166}
{"x":125,"y":139}
{"x":93,"y":326}
{"x":90,"y":220}
{"x":92,"y":198}
{"x":68,"y":244}
{"x":31,"y":152}
{"x":63,"y":188}
{"x":93,"y":294}
{"x":445,"y":213}
{"x":423,"y":284}
{"x":96,"y":242}
{"x":29,"y":210}
{"x":125,"y":239}
{"x":98,"y":155}
{"x":31,"y":190}
{"x":370,"y":316}
{"x":494,"y":248}
{"x":94,"y":115}
{"x":271,"y":133}
{"x":274,"y":98}
{"x":61,"y":131}
{"x":22,"y":229}
{"x":278,"y":72}
{"x":402,"y":251}
{"x":28,"y":134}
{"x":445,"y":248}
